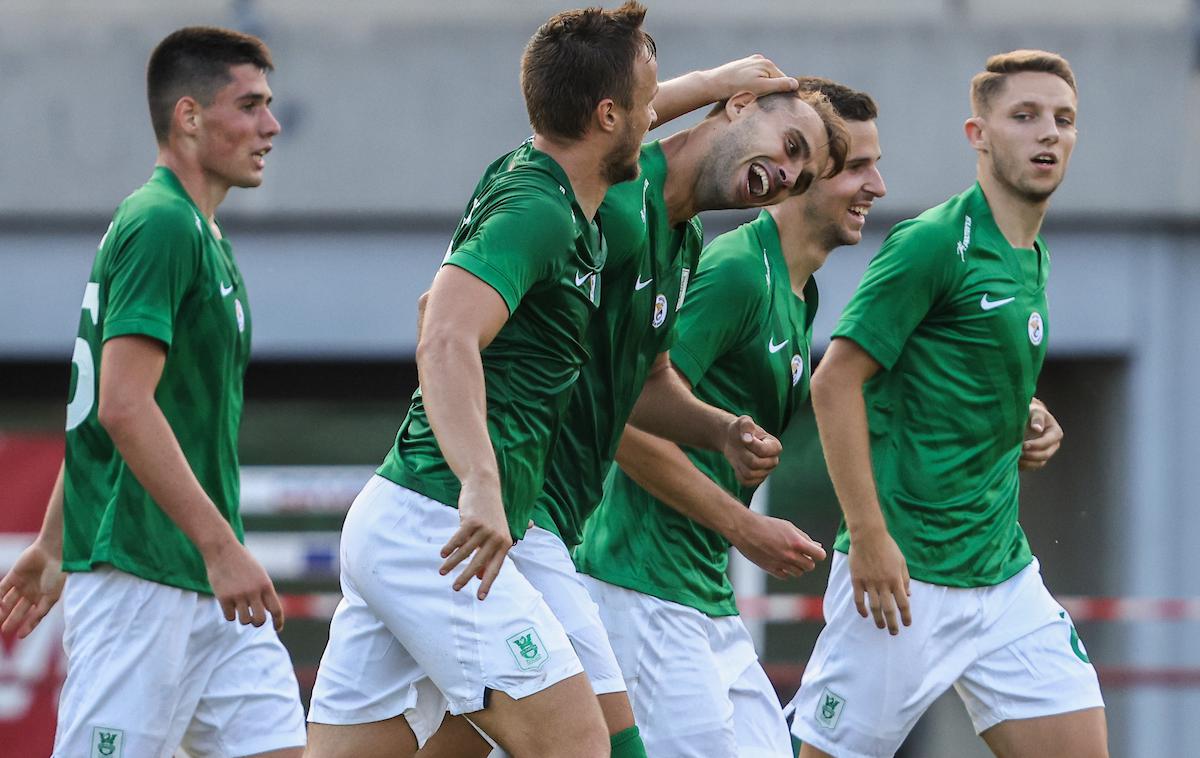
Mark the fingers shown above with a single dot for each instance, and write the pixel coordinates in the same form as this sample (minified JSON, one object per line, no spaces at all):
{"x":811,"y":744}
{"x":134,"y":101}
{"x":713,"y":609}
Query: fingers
{"x":275,"y":608}
{"x":16,"y":615}
{"x":1037,"y":418}
{"x":859,"y":590}
{"x":35,"y":617}
{"x":456,"y":551}
{"x":228,"y":608}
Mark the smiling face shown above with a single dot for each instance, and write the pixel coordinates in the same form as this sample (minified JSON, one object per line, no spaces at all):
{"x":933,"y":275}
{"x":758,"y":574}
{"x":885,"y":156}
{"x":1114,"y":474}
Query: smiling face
{"x":236,"y":129}
{"x":760,"y":155}
{"x":1026,"y":135}
{"x":836,"y":208}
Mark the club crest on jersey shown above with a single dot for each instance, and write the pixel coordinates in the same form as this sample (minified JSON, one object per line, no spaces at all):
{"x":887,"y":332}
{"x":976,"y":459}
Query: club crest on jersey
{"x":660,"y":311}
{"x":107,"y":743}
{"x":241,"y":315}
{"x":797,"y":369}
{"x":1036,"y":329}
{"x":528,"y":650}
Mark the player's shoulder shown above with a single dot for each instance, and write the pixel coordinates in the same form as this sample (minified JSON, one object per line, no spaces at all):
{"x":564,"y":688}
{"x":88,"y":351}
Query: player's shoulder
{"x":737,"y":260}
{"x":943,"y":231}
{"x":158,"y":213}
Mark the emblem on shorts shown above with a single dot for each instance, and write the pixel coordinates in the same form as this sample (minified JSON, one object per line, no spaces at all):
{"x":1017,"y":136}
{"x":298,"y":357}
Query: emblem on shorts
{"x":660,"y":311}
{"x":528,"y":650}
{"x":1076,"y":643}
{"x":829,"y":708}
{"x":107,"y":743}
{"x":1036,"y":331}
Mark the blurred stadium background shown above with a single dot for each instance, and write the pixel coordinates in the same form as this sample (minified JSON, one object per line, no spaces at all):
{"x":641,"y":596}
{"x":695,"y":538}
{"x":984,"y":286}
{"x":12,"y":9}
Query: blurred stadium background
{"x":391,"y":109}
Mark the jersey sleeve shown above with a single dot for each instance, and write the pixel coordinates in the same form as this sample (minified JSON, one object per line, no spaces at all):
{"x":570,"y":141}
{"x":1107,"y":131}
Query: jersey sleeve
{"x":151,"y":270}
{"x":520,"y":238}
{"x":721,"y":306}
{"x":913,"y":271}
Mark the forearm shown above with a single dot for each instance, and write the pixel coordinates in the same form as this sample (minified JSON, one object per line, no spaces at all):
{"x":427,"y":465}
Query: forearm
{"x":450,"y":370}
{"x":668,"y":409}
{"x":663,"y":470}
{"x":682,"y":95}
{"x":842,"y":422}
{"x":144,"y":438}
{"x":51,"y":534}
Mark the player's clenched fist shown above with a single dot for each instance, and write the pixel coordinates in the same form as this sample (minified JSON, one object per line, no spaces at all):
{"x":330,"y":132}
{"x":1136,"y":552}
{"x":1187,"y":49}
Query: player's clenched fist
{"x":751,"y":451}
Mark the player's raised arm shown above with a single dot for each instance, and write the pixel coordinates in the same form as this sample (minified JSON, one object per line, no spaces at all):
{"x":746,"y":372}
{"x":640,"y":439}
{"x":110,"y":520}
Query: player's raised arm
{"x":461,"y":317}
{"x":130,"y":369}
{"x":35,"y":582}
{"x":877,"y":567}
{"x":667,"y":408}
{"x":696,"y":89}
{"x":662,"y":469}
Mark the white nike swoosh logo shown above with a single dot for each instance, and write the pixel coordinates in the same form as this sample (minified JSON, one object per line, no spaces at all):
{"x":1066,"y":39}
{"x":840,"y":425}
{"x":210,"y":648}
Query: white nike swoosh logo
{"x":773,"y":347}
{"x":988,"y":305}
{"x":580,"y":279}
{"x":639,"y":284}
{"x":226,"y":290}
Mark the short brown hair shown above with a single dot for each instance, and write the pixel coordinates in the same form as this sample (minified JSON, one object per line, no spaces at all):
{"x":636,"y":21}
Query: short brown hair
{"x":195,"y":61}
{"x":578,"y":58}
{"x":850,"y":104}
{"x":990,"y":82}
{"x":836,"y":134}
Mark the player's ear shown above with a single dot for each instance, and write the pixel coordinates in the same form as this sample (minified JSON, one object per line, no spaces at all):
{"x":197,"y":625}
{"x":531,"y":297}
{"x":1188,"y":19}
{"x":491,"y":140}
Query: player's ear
{"x":735,"y":107}
{"x":186,"y":117}
{"x":976,"y":134}
{"x":606,"y":116}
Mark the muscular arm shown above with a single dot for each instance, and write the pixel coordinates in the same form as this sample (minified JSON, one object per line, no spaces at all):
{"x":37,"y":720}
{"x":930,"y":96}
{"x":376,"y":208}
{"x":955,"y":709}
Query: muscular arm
{"x":877,"y":567}
{"x":696,"y":89}
{"x":461,"y":317}
{"x":130,"y":368}
{"x":662,"y":469}
{"x":667,"y":408}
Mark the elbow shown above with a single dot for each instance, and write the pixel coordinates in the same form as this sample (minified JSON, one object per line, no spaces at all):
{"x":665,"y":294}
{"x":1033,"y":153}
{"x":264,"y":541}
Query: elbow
{"x":115,"y":414}
{"x":820,"y":386}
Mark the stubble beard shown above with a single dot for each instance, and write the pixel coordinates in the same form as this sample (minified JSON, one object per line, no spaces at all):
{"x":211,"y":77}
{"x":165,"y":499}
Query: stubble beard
{"x":1008,"y":173}
{"x":621,"y":163}
{"x":718,"y":172}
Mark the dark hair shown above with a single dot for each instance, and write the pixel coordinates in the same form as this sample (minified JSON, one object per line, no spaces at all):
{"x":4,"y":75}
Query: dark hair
{"x":195,"y":61}
{"x":990,"y":82}
{"x":578,"y":58}
{"x":850,"y":104}
{"x":836,"y":135}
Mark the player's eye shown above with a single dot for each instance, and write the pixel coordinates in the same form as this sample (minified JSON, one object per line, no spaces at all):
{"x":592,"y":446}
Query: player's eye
{"x":791,"y":147}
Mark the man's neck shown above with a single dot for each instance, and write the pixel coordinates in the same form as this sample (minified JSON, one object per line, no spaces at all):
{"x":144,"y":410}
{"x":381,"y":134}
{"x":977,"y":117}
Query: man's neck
{"x":683,"y":152}
{"x":1019,"y":219}
{"x":803,"y":253}
{"x":205,"y":192}
{"x":582,"y":163}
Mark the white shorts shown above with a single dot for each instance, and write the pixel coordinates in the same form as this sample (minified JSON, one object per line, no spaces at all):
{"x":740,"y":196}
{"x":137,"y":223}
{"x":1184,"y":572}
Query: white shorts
{"x":695,"y":683}
{"x":151,"y":668}
{"x":1010,"y":651}
{"x":542,"y":558}
{"x":402,"y":641}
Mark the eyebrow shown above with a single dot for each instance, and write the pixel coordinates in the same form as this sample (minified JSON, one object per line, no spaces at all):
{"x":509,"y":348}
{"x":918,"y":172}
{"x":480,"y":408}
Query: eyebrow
{"x":801,"y":142}
{"x":254,"y":97}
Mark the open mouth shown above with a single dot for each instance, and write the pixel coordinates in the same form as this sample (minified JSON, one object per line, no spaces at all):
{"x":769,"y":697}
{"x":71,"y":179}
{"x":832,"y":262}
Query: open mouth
{"x":860,"y":211}
{"x":260,"y":156}
{"x":758,"y":181}
{"x":1045,"y":159}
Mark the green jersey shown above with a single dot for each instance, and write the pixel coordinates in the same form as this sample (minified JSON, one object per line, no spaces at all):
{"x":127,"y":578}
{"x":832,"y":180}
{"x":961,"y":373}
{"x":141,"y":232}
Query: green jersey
{"x":525,"y":236}
{"x":649,"y":263}
{"x":957,"y":319}
{"x":743,"y":342}
{"x":160,"y":272}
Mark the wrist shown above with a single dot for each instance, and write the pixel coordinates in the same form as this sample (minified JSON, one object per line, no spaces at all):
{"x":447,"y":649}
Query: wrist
{"x":217,"y":542}
{"x":867,"y":529}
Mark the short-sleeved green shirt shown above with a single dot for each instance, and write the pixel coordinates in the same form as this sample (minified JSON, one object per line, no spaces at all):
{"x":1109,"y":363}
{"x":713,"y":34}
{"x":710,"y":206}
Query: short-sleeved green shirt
{"x":743,"y":342}
{"x":957,"y":319}
{"x":525,"y":236}
{"x":649,"y":263}
{"x":160,"y":272}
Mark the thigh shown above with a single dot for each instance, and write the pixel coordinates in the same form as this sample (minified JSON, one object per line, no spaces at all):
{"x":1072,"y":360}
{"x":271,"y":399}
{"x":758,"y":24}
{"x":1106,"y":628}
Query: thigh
{"x":863,"y":689}
{"x":509,"y":643}
{"x":251,"y":701}
{"x":542,"y":558}
{"x":1045,"y":672}
{"x":1079,"y":734}
{"x":127,"y":691}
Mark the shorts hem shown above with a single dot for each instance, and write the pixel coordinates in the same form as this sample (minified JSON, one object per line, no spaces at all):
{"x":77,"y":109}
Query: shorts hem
{"x":335,"y":717}
{"x":471,"y":705}
{"x":826,"y":746}
{"x":608,"y":685}
{"x":1033,"y":712}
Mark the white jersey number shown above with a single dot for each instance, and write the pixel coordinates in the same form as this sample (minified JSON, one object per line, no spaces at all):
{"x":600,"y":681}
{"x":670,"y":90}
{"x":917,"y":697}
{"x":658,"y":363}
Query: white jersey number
{"x":85,"y":365}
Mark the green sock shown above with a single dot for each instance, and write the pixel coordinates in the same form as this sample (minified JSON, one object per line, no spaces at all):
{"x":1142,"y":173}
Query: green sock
{"x":627,"y":743}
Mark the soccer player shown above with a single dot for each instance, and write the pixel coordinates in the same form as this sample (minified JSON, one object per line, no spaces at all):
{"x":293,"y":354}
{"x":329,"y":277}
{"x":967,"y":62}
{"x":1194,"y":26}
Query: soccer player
{"x":502,"y":341}
{"x":752,"y":149}
{"x":923,"y":402}
{"x":659,"y":576}
{"x":144,"y":515}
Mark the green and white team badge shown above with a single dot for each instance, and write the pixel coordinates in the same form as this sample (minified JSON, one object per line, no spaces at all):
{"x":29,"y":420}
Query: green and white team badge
{"x":1035,"y":328}
{"x":660,"y":311}
{"x":107,"y":743}
{"x":528,"y":650}
{"x":829,"y":708}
